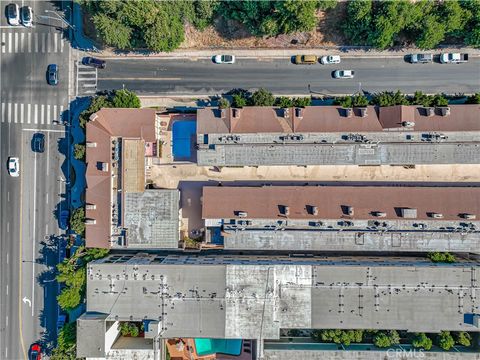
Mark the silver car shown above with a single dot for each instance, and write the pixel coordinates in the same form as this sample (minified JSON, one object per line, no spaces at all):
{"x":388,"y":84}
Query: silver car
{"x":343,"y":74}
{"x":14,"y":166}
{"x":13,"y":14}
{"x":26,"y":15}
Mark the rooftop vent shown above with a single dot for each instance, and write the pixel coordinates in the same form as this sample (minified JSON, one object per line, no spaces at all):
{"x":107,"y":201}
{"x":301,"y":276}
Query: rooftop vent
{"x":236,"y":113}
{"x":445,"y":110}
{"x":91,"y":144}
{"x":436,"y":215}
{"x":430,"y":111}
{"x":363,"y":111}
{"x":285,"y":112}
{"x":380,"y":214}
{"x":468,"y":216}
{"x":348,"y":112}
{"x":408,"y":213}
{"x":242,"y":214}
{"x":90,"y":207}
{"x":408,"y":124}
{"x":299,"y":112}
{"x":90,"y":221}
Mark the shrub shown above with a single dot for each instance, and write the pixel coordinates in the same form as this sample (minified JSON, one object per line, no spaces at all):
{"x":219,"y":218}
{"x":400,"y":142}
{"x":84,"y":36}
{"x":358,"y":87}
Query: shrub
{"x":262,"y":97}
{"x":134,"y":330}
{"x":223,"y":103}
{"x":239,"y":101}
{"x":385,"y":339}
{"x":338,"y":336}
{"x":441,"y":257}
{"x":125,"y":99}
{"x":302,"y":101}
{"x":124,"y":329}
{"x":474,"y":99}
{"x":66,"y":343}
{"x":79,"y":151}
{"x":284,"y":102}
{"x":345,"y":101}
{"x":359,"y":101}
{"x":389,"y":98}
{"x":445,"y":340}
{"x":77,"y":221}
{"x":463,"y":338}
{"x":420,"y":340}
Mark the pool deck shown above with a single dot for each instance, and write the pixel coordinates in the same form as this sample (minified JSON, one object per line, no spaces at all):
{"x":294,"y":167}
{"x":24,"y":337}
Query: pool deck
{"x":189,"y":352}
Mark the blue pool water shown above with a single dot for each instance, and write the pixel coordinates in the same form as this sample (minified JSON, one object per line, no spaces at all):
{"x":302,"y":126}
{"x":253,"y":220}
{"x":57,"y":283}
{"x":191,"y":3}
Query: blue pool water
{"x":224,"y":346}
{"x":182,"y":132}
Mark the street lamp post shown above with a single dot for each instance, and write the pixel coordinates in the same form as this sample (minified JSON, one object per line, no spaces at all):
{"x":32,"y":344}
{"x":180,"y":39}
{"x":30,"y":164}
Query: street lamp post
{"x":58,"y":17}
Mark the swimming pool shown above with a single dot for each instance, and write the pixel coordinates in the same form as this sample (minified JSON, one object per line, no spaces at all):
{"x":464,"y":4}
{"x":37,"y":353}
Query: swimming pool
{"x":182,"y":132}
{"x":224,"y":346}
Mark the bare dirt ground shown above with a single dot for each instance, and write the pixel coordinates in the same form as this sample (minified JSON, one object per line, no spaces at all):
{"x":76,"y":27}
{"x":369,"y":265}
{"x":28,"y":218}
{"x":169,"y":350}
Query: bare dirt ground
{"x":232,"y":34}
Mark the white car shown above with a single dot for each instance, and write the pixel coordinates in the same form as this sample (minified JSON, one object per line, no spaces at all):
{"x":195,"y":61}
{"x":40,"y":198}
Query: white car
{"x":14,"y":166}
{"x":224,"y":59}
{"x":26,"y":15}
{"x":330,"y":59}
{"x":343,"y":74}
{"x":13,"y":14}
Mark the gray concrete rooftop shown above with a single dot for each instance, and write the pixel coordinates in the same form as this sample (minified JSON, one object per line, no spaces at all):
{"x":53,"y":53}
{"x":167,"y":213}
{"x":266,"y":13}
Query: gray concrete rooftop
{"x":254,"y":297}
{"x":152,"y":219}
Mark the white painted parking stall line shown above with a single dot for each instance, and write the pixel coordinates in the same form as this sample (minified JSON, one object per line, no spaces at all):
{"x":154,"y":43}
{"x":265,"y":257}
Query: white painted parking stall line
{"x":29,"y":113}
{"x":15,"y":113}
{"x":29,"y":36}
{"x":10,"y":42}
{"x":42,"y":114}
{"x":35,"y":114}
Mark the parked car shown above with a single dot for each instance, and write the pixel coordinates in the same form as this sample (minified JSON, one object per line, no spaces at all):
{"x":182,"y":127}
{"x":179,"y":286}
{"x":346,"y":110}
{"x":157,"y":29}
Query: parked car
{"x":306,"y":59}
{"x":224,"y":59}
{"x":343,"y":74}
{"x":52,"y":74}
{"x":330,"y":59}
{"x":26,"y":15}
{"x":90,"y":61}
{"x":13,"y":14}
{"x":453,"y":58}
{"x":421,"y":58}
{"x":63,"y":219}
{"x":38,"y":142}
{"x":35,"y":352}
{"x":14,"y":166}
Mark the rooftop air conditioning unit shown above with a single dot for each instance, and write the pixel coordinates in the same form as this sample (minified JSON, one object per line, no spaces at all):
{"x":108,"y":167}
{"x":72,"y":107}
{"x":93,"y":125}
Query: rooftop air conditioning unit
{"x":350,"y":211}
{"x":104,"y":166}
{"x":408,"y":124}
{"x":314,"y":210}
{"x":408,"y":213}
{"x":286,"y":210}
{"x":223,"y":113}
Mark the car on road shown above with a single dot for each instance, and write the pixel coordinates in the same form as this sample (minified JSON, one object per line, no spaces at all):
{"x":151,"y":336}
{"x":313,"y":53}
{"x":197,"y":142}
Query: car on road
{"x":14,"y":166}
{"x":330,"y":59}
{"x":26,"y":15}
{"x":38,"y":142}
{"x":35,"y":352}
{"x":421,"y":58}
{"x":224,"y":59}
{"x":343,"y":74}
{"x":305,"y":59}
{"x":91,"y":61}
{"x":13,"y":14}
{"x":63,"y":219}
{"x":52,"y":74}
{"x":453,"y":58}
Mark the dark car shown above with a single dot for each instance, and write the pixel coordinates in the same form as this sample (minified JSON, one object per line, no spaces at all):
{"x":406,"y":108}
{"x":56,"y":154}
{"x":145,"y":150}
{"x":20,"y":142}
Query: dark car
{"x":35,"y":352}
{"x":38,"y":142}
{"x":52,"y":74}
{"x":90,"y":61}
{"x":63,"y":219}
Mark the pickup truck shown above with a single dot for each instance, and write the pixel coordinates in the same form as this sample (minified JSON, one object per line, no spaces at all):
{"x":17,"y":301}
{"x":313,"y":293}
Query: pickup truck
{"x":453,"y":58}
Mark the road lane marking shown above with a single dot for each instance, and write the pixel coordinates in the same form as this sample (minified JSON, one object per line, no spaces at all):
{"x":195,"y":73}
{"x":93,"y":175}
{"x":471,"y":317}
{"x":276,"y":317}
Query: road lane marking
{"x":33,"y":227}
{"x":35,"y":114}
{"x":6,"y":317}
{"x":7,"y":289}
{"x":16,"y":42}
{"x":10,"y":42}
{"x":54,"y":112}
{"x":48,"y":114}
{"x":46,"y":130}
{"x":29,"y":113}
{"x":4,"y":106}
{"x":62,"y":43}
{"x":42,"y":114}
{"x":8,"y":196}
{"x":8,"y":226}
{"x":22,"y":42}
{"x":9,"y":112}
{"x":46,"y":229}
{"x":55,"y":41}
{"x":29,"y":38}
{"x":4,"y":39}
{"x":21,"y":112}
{"x":35,"y":36}
{"x":46,"y":199}
{"x":141,"y":78}
{"x":15,"y":113}
{"x":48,"y":156}
{"x":8,"y":255}
{"x":43,"y":42}
{"x":20,"y":329}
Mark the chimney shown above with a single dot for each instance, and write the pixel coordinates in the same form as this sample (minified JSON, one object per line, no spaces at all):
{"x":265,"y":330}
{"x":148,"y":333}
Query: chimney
{"x":348,"y":112}
{"x":408,"y":124}
{"x":430,"y":111}
{"x":90,"y":221}
{"x":468,"y":216}
{"x":299,"y":112}
{"x":223,"y":113}
{"x":242,"y":214}
{"x":91,"y":144}
{"x":408,"y":213}
{"x":104,"y":166}
{"x":314,"y":210}
{"x":90,"y":207}
{"x":236,"y":113}
{"x":445,"y":110}
{"x":285,"y":112}
{"x":436,"y":215}
{"x":363,"y":111}
{"x":286,"y":210}
{"x":350,"y":211}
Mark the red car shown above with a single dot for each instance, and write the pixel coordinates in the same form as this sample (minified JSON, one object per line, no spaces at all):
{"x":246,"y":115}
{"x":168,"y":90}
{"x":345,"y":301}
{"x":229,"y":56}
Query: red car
{"x":35,"y":352}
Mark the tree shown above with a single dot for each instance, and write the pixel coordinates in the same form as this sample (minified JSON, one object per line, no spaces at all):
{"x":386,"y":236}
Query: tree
{"x":262,"y":97}
{"x":204,"y":12}
{"x":166,"y":33}
{"x":294,"y":15}
{"x":69,"y":298}
{"x":463,"y":338}
{"x":432,"y":32}
{"x":474,"y":99}
{"x":388,"y":98}
{"x":445,"y":340}
{"x":358,"y":22}
{"x":66,"y":343}
{"x":79,"y":151}
{"x":338,"y":336}
{"x":223,"y":103}
{"x":77,"y":221}
{"x":96,"y":104}
{"x":239,"y":101}
{"x":359,"y":101}
{"x":385,"y":339}
{"x":420,"y":340}
{"x":345,"y":101}
{"x":453,"y":16}
{"x":302,"y":101}
{"x":125,"y":99}
{"x":112,"y":31}
{"x":134,"y":330}
{"x":326,"y":4}
{"x":284,"y":102}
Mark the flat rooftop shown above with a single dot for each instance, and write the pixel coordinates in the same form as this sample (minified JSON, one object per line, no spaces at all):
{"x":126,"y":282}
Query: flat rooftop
{"x":340,"y":202}
{"x":255,"y":296}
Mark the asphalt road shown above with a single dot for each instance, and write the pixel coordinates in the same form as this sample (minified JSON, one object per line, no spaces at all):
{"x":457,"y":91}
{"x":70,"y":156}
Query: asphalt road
{"x":281,"y":76}
{"x":28,"y":290}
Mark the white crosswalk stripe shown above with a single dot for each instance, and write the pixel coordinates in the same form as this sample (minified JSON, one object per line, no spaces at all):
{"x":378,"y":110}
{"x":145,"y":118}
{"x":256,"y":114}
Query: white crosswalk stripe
{"x":10,"y":42}
{"x":21,"y":113}
{"x":4,"y":42}
{"x":22,"y":42}
{"x":28,"y":42}
{"x":29,"y":35}
{"x":35,"y":36}
{"x":16,"y":41}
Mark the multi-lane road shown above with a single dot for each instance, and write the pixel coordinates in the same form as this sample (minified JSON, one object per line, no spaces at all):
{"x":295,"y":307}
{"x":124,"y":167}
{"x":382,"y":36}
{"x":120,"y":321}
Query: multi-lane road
{"x":27,"y":203}
{"x":200,"y":77}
